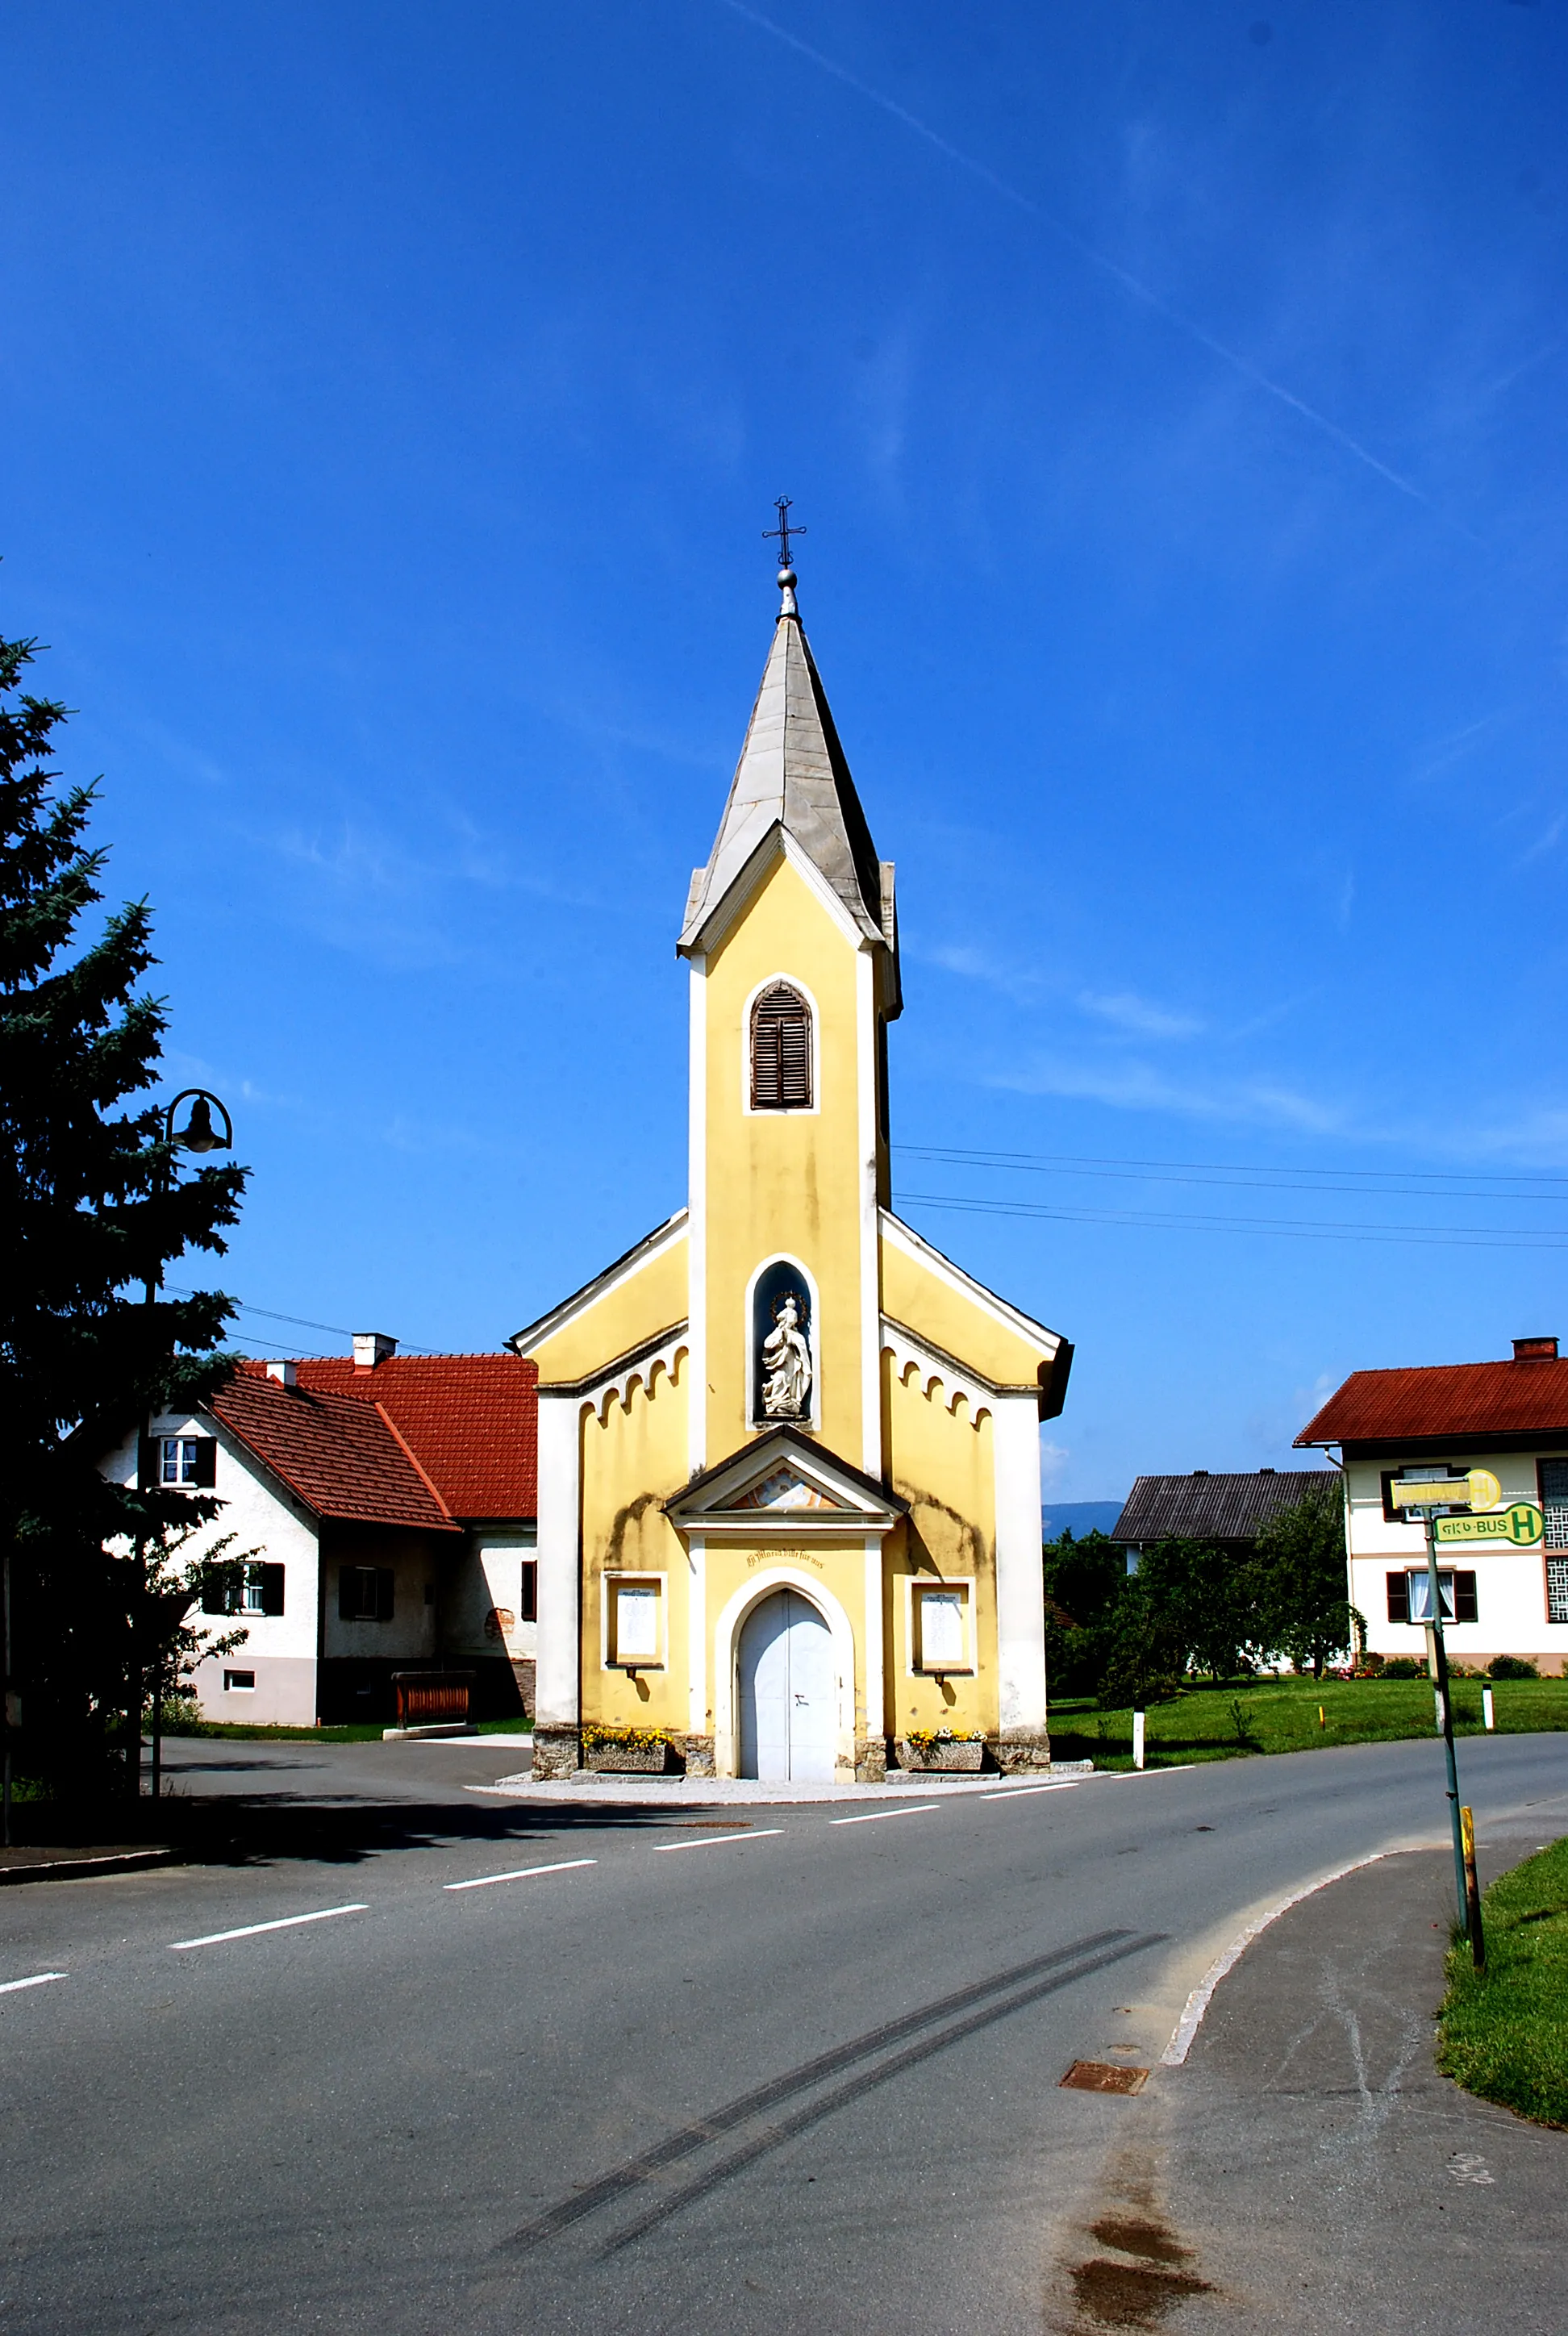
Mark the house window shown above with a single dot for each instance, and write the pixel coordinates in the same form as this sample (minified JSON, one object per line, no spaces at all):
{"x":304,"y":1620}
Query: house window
{"x":942,"y":1628}
{"x":185,"y":1463}
{"x":528,"y":1597}
{"x":364,"y":1593}
{"x":239,"y":1682}
{"x":1456,"y":1591}
{"x":255,"y":1590}
{"x":780,"y":1050}
{"x":635,"y":1624}
{"x":1554,"y":1504}
{"x":1557,"y":1589}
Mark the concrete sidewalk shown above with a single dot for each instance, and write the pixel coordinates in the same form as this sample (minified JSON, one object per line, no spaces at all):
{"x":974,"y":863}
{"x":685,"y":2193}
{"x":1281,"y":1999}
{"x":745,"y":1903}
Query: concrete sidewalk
{"x":1308,"y":2170}
{"x":708,"y":1792}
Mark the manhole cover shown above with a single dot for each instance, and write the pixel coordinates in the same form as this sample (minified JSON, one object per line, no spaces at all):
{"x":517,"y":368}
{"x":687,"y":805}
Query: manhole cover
{"x":1102,"y":2077}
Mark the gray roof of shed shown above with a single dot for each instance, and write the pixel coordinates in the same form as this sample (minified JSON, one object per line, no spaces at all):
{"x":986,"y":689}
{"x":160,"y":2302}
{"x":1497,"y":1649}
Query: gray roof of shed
{"x":1204,"y":1507}
{"x":792,"y":774}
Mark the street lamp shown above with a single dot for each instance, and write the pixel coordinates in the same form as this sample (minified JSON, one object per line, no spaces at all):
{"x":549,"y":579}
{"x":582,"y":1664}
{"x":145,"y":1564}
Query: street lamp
{"x":198,"y":1134}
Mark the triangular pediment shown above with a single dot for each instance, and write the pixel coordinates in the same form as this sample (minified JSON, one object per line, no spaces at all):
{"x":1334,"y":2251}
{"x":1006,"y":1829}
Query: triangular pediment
{"x":785,"y":1483}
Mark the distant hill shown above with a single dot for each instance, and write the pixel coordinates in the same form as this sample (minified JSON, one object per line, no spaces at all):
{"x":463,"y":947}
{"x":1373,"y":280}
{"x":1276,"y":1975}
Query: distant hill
{"x":1078,"y":1518}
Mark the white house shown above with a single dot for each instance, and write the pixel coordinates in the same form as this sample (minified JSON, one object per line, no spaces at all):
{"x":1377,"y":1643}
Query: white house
{"x":386,"y":1503}
{"x":1511,"y":1418}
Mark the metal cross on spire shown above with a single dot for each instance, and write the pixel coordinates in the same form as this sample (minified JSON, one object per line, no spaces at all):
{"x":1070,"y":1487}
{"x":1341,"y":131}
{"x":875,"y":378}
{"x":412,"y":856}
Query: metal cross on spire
{"x":783,"y":530}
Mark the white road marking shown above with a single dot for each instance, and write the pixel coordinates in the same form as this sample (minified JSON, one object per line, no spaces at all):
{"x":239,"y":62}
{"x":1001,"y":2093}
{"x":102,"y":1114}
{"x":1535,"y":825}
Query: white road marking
{"x":521,"y":1873}
{"x":254,"y":1930}
{"x":39,"y":1979}
{"x":875,"y":1817}
{"x":719,"y":1840}
{"x":1022,"y":1792}
{"x":1198,"y":2002}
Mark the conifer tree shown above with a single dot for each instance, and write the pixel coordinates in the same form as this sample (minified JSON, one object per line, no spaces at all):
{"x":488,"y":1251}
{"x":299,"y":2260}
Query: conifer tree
{"x":93,"y":1206}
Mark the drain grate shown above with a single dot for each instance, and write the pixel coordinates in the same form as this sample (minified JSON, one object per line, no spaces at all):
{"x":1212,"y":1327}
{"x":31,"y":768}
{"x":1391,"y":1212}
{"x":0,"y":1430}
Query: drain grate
{"x":1102,"y":2077}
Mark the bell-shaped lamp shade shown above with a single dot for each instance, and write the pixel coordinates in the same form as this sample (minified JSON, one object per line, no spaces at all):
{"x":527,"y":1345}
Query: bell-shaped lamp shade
{"x":198,"y":1134}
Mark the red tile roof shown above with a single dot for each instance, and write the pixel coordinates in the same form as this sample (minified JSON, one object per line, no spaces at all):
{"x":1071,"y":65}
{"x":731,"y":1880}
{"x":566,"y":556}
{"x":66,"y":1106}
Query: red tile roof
{"x":470,"y":1421}
{"x":341,"y":1458}
{"x":1462,"y":1399}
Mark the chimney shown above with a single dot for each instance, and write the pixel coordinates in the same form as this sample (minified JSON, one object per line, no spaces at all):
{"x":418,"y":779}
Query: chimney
{"x":370,"y":1347}
{"x":284,"y":1374}
{"x":1534,"y":1350}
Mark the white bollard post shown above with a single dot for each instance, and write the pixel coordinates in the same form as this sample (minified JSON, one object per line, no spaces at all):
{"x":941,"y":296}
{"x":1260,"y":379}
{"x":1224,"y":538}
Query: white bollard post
{"x":1137,"y":1740}
{"x":1487,"y":1713}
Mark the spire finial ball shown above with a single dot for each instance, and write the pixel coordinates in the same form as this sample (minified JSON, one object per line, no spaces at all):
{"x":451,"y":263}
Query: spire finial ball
{"x":787,"y":578}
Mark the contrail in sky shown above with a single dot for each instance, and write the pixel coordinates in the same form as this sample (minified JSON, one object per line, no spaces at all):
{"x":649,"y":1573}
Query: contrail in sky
{"x":1129,"y":282}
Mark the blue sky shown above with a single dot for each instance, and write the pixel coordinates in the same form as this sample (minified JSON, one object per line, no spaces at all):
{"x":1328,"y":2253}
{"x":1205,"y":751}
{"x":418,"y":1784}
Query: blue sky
{"x":395,"y":396}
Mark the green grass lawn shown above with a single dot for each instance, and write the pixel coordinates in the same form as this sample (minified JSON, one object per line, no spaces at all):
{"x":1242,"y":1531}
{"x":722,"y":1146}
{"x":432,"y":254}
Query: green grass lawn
{"x":1505,"y":2030}
{"x":355,"y":1733}
{"x":1281,"y":1715}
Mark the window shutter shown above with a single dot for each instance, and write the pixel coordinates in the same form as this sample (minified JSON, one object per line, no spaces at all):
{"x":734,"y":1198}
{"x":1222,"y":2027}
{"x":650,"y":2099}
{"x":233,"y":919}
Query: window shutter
{"x":780,"y":1050}
{"x":149,"y":1451}
{"x":1465,"y":1609}
{"x":527,"y":1602}
{"x":214,"y":1597}
{"x":1398,"y":1597}
{"x":383,"y":1579}
{"x":271,"y":1589}
{"x":205,"y":1461}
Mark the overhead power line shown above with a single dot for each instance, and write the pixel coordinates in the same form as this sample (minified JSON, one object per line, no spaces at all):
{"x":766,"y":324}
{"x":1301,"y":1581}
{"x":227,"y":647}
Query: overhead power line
{"x":1284,"y":1227}
{"x":1420,"y":1183}
{"x":300,"y":1322}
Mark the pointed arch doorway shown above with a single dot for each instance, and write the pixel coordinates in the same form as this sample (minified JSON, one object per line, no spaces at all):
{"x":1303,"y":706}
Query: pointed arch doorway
{"x":787,"y":1685}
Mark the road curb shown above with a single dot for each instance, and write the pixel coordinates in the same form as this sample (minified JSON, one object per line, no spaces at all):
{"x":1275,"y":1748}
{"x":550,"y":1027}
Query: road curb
{"x":78,"y":1869}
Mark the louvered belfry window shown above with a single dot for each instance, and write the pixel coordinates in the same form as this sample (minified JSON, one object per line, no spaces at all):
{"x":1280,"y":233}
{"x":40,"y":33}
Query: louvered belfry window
{"x":780,"y":1050}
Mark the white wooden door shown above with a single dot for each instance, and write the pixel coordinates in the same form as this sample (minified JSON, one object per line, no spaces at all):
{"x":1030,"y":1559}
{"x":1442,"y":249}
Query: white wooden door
{"x":787,"y":1692}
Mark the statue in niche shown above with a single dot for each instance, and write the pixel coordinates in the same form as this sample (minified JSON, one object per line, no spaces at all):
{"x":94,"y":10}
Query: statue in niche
{"x":787,"y":1363}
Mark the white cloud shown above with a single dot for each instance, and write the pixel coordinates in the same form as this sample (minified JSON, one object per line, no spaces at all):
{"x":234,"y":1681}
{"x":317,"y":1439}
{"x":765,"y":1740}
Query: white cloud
{"x":1129,"y":1012}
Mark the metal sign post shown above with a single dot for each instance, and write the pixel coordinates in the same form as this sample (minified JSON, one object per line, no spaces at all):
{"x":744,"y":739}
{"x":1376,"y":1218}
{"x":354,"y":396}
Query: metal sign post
{"x":1422,"y":1496}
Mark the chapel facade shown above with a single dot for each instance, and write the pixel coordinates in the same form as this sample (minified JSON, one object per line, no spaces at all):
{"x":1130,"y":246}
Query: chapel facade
{"x":789,"y":1479}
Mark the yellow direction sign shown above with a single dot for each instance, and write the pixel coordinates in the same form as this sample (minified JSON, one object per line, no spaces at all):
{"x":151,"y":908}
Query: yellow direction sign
{"x":1479,"y":1489}
{"x":1522,"y":1522}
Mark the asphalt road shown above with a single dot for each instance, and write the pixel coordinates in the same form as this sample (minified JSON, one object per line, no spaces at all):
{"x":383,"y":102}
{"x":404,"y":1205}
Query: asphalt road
{"x":783,"y":2068}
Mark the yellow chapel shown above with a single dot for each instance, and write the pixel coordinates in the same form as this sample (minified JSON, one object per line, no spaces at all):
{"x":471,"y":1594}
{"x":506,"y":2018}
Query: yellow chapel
{"x":789,"y":1474}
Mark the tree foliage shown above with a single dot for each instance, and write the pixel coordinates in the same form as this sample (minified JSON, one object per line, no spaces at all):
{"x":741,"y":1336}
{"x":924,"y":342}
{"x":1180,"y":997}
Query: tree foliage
{"x":1189,"y":1609}
{"x":92,"y":1205}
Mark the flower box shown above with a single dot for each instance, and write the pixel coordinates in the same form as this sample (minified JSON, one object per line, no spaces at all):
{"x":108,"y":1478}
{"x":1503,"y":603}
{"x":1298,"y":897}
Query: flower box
{"x":953,"y":1758}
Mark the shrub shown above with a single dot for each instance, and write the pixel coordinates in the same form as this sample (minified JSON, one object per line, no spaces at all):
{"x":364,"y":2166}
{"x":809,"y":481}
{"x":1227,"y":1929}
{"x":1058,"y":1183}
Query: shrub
{"x":1512,"y":1667}
{"x":1403,"y":1667}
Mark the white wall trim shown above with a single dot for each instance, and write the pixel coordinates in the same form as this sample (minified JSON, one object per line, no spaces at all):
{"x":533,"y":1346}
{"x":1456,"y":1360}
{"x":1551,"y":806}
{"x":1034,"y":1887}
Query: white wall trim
{"x":697,"y":1214}
{"x":811,"y":1110}
{"x":1021,"y":1604}
{"x":775,"y":845}
{"x":904,"y":1237}
{"x":870,"y":1253}
{"x":696,"y":1635}
{"x":875,"y":1652}
{"x":726,"y":1656}
{"x":558,"y":1559}
{"x":642,"y":1373}
{"x":815,"y":1418}
{"x":571,"y":1310}
{"x":938,"y":1374}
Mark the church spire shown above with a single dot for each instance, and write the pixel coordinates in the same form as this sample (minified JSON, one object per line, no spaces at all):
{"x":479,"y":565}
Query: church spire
{"x":792,"y":776}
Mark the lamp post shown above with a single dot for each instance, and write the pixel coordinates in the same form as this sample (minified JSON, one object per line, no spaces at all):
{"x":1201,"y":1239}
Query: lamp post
{"x":198,"y":1134}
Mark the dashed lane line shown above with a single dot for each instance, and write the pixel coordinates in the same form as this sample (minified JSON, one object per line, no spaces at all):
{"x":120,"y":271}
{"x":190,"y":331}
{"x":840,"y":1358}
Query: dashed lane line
{"x":254,"y":1930}
{"x":521,"y":1873}
{"x":1023,"y":1791}
{"x":719,"y":1840}
{"x":875,"y":1817}
{"x":39,"y":1979}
